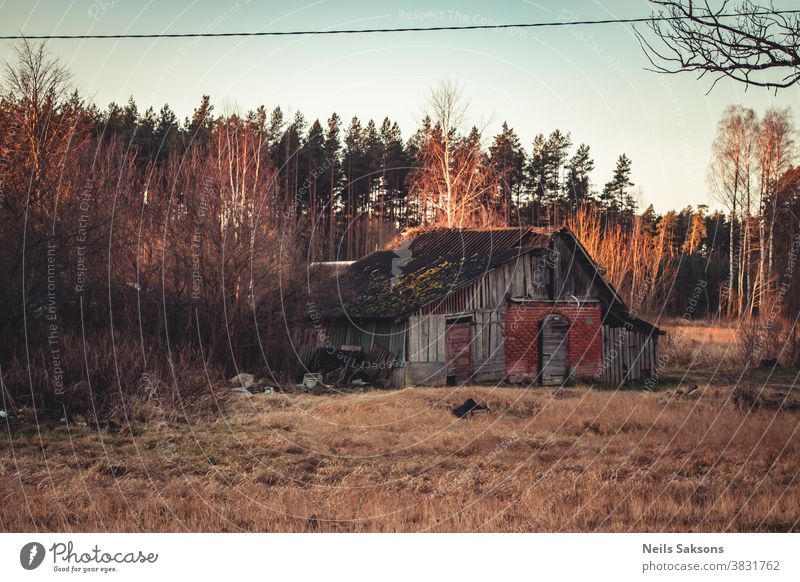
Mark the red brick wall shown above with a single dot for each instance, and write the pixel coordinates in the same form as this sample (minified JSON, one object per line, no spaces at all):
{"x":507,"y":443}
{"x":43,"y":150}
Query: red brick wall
{"x":584,"y":341}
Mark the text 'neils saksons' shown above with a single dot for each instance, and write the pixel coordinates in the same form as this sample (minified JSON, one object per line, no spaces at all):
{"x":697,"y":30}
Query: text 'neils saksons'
{"x":681,"y":549}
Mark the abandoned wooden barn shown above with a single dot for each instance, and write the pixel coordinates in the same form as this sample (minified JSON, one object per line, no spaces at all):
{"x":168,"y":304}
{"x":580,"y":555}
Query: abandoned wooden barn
{"x":447,"y":306}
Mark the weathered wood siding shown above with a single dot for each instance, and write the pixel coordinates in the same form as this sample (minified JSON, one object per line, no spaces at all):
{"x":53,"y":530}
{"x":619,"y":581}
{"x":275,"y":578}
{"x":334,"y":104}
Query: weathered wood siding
{"x":426,"y":338}
{"x":488,"y":346}
{"x":426,"y":349}
{"x":573,"y":274}
{"x":560,"y":273}
{"x":628,"y":356}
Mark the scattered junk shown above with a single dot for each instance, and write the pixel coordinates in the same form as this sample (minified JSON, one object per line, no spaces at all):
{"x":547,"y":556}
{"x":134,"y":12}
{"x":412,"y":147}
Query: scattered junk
{"x":3,"y":414}
{"x":243,"y":380}
{"x":469,"y":408}
{"x":349,"y":366}
{"x":311,"y":381}
{"x":248,"y":384}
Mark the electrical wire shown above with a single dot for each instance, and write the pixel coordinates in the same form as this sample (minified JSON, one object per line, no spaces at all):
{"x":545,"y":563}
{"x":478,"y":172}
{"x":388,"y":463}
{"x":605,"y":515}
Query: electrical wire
{"x":377,"y":30}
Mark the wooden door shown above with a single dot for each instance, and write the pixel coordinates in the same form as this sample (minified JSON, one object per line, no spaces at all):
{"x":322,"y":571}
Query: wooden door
{"x":458,"y":341}
{"x":553,"y":350}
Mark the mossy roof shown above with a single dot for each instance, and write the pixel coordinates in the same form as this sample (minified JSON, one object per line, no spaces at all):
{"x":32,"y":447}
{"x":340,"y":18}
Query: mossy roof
{"x":424,"y":268}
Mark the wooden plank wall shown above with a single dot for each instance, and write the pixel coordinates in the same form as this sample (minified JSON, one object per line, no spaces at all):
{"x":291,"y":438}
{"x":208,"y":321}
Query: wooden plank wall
{"x":526,"y":275}
{"x":488,"y":350}
{"x":628,"y":356}
{"x":573,"y":274}
{"x":426,"y":338}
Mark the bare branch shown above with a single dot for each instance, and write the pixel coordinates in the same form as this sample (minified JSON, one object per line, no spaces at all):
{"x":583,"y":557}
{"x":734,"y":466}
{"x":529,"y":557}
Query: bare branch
{"x":750,"y":45}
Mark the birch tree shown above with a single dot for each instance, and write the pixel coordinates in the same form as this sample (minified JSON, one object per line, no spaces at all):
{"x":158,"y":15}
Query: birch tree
{"x":456,"y":185}
{"x":730,"y":177}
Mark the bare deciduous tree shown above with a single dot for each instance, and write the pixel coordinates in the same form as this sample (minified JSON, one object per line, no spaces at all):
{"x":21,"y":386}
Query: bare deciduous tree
{"x":775,"y":157}
{"x":731,"y":177}
{"x":37,"y":87}
{"x":748,"y":43}
{"x":456,"y":186}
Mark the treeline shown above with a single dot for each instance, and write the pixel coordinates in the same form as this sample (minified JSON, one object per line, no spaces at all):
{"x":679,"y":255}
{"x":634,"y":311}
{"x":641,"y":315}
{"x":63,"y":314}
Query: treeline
{"x":152,"y":257}
{"x":357,"y":184}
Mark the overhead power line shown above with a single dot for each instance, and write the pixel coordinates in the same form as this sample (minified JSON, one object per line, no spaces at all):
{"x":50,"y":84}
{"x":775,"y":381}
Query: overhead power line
{"x":376,"y":30}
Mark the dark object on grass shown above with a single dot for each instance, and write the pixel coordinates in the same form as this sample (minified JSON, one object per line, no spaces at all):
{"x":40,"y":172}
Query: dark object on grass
{"x":769,"y":363}
{"x":466,"y":409}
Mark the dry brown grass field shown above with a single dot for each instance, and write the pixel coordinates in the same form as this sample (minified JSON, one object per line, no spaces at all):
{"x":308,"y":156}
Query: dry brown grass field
{"x":576,"y":460}
{"x":698,"y":346}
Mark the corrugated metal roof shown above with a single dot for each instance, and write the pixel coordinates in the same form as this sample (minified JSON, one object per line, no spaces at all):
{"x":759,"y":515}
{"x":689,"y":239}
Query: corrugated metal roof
{"x":391,"y":283}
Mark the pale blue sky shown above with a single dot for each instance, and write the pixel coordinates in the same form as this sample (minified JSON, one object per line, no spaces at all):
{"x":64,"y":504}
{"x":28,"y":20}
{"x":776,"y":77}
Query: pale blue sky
{"x":589,"y":81}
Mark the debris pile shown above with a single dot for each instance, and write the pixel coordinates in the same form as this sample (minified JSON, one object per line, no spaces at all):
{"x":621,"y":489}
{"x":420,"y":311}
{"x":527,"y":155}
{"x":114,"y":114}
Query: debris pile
{"x":349,"y":366}
{"x":243,"y":383}
{"x":469,"y":408}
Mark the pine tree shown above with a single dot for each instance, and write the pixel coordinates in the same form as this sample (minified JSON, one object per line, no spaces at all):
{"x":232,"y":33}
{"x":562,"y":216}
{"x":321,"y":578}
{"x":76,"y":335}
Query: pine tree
{"x":166,"y":134}
{"x":199,"y":128}
{"x":537,"y":177}
{"x":313,"y":158}
{"x":556,"y":151}
{"x":666,"y":233}
{"x":577,"y":183}
{"x":332,"y":148}
{"x":393,"y":168}
{"x":507,"y":158}
{"x":649,"y":220}
{"x":353,"y":163}
{"x":615,"y":197}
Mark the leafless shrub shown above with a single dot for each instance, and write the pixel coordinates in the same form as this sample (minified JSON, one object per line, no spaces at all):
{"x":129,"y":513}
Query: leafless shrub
{"x":107,"y":376}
